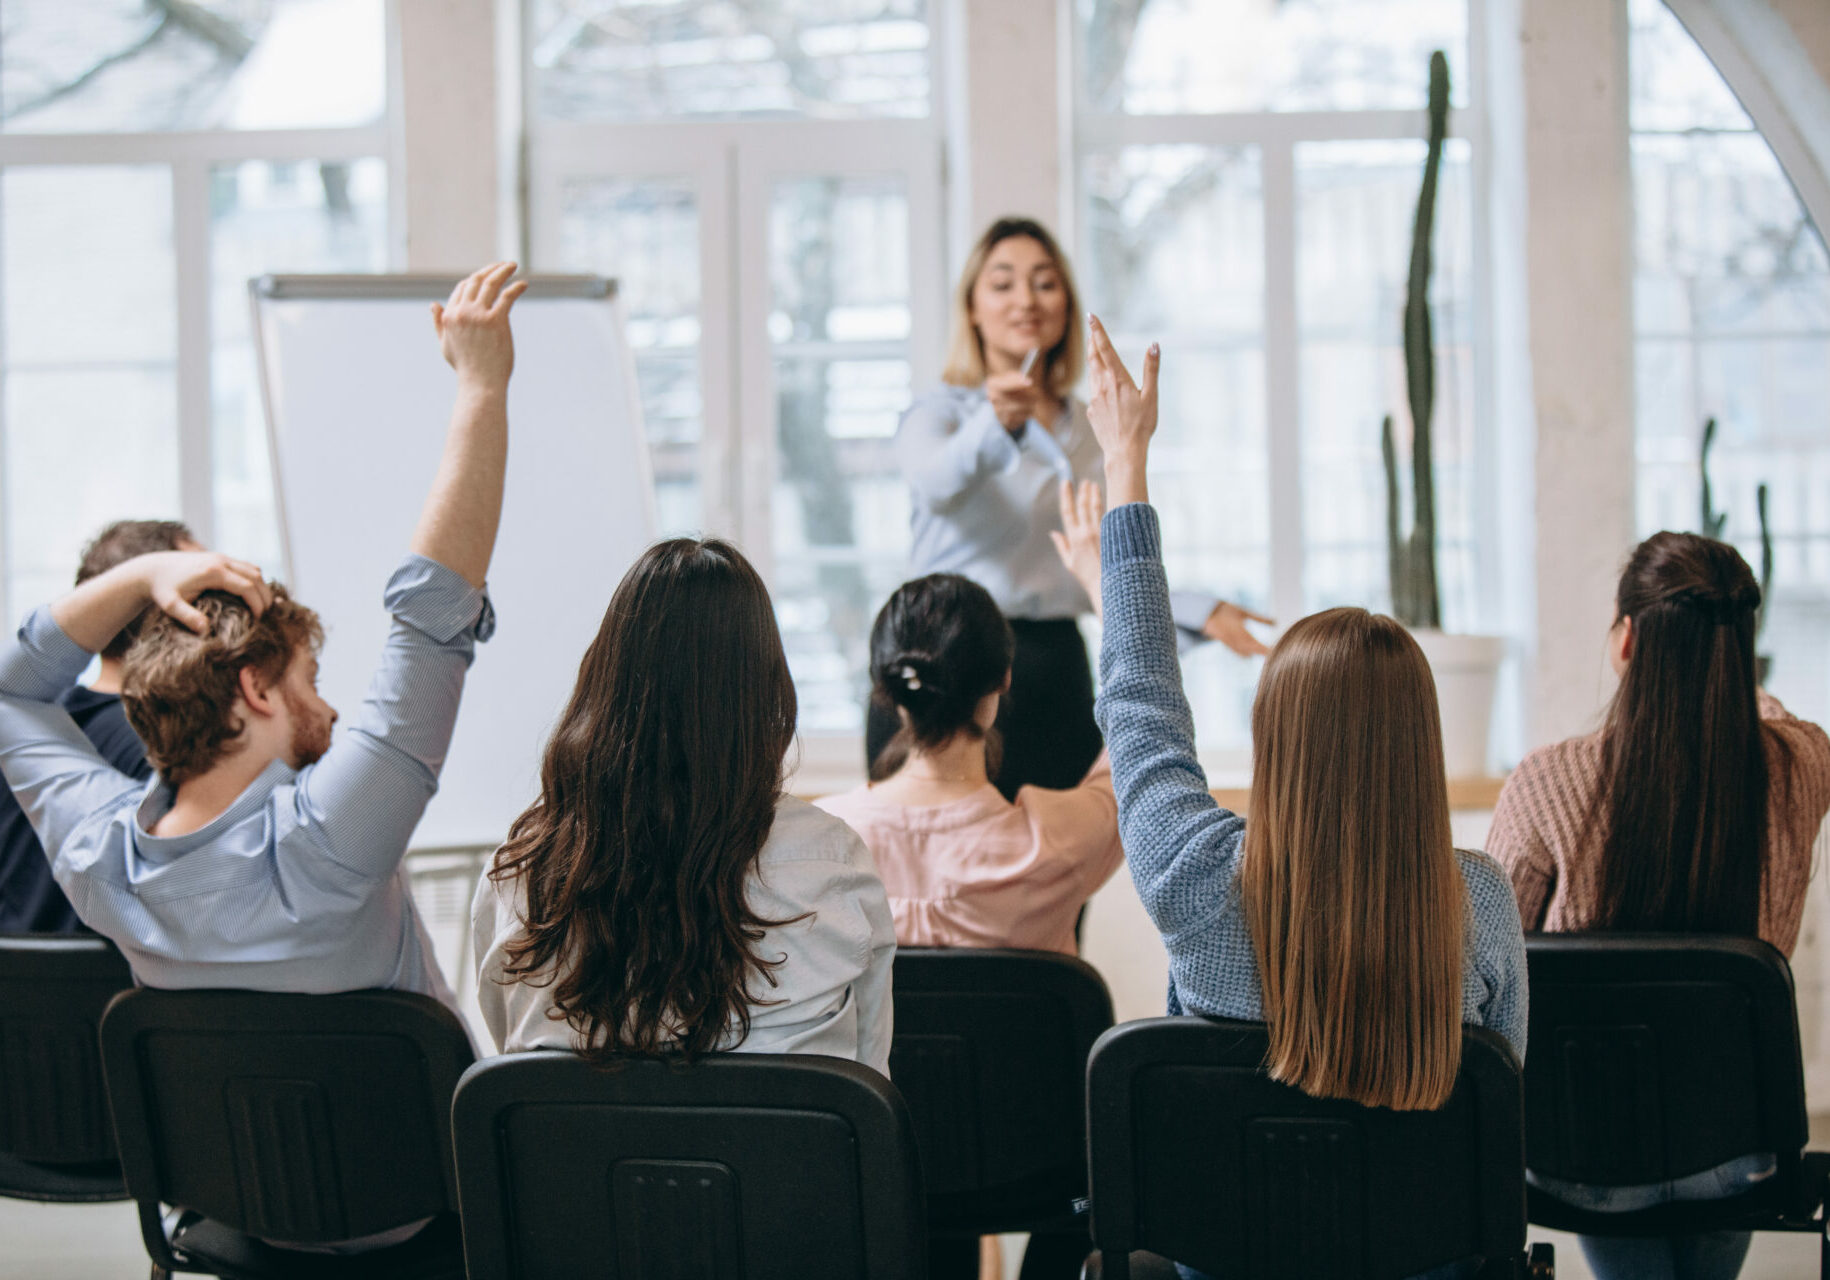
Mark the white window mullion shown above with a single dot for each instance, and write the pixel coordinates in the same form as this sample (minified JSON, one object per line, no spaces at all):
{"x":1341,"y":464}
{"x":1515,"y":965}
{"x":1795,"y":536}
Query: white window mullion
{"x":755,"y":364}
{"x":928,"y":276}
{"x":1104,"y":132}
{"x":1283,"y":359}
{"x":723,"y":442}
{"x":1488,"y":558}
{"x":191,"y":254}
{"x":204,"y":145}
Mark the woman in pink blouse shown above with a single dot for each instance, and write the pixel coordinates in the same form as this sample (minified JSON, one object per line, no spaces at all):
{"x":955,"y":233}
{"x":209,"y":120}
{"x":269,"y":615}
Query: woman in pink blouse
{"x":963,"y":866}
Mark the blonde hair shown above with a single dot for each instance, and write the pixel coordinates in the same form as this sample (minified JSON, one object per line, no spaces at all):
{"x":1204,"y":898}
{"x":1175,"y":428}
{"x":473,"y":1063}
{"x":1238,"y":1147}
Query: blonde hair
{"x":1349,"y":878}
{"x":1063,"y":362}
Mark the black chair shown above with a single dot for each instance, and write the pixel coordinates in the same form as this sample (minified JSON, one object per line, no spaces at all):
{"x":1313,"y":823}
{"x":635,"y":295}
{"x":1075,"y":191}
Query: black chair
{"x":56,"y":1141}
{"x":761,"y":1166}
{"x":1198,"y":1155}
{"x":308,"y":1119}
{"x":1656,"y":1056}
{"x":990,"y":1052}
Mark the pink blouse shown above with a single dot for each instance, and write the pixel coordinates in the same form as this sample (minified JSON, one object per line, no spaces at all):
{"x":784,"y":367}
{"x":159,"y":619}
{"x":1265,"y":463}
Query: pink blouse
{"x":985,"y":872}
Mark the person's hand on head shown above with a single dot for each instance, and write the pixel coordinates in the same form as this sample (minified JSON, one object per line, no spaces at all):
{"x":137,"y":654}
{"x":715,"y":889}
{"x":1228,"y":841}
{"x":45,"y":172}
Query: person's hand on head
{"x":174,"y":579}
{"x":1077,"y":543}
{"x":472,"y":324}
{"x":1123,"y":414}
{"x":1014,"y":397}
{"x":1227,"y":625}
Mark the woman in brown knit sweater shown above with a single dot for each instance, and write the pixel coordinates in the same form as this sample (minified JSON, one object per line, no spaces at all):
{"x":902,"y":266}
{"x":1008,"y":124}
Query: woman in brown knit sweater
{"x":1694,"y":809}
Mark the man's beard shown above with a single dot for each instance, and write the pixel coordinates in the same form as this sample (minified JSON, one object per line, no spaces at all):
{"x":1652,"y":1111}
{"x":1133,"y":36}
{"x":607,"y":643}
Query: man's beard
{"x":310,"y":734}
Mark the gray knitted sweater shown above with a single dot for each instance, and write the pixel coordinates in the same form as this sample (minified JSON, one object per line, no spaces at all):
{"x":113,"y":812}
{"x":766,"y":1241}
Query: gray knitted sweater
{"x":1184,"y":849}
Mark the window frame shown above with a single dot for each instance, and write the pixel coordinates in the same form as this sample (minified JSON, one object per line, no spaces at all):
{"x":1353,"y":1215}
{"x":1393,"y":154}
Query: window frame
{"x":733,"y":165}
{"x":189,"y":155}
{"x":1275,"y":135}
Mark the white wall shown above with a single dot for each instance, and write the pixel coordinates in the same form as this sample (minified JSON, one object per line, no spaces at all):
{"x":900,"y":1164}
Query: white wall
{"x":1006,"y":116}
{"x":447,"y":147}
{"x":1579,"y":306}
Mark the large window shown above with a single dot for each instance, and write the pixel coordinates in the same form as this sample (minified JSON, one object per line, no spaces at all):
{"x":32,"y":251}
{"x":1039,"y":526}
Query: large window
{"x":1247,"y":180}
{"x":1732,"y":315}
{"x":763,"y":182}
{"x":153,"y":157}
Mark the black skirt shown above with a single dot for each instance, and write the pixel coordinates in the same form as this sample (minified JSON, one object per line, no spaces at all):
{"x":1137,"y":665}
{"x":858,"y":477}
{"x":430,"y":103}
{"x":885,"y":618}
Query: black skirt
{"x":1045,"y":721}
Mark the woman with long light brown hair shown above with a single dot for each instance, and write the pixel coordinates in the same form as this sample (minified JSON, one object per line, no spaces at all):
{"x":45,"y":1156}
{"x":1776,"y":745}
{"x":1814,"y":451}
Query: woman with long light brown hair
{"x":985,"y":455}
{"x":1341,"y":914}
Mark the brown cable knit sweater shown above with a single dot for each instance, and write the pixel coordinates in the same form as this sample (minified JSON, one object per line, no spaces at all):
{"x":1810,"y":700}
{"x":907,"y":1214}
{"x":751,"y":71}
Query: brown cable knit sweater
{"x":1542,"y":836}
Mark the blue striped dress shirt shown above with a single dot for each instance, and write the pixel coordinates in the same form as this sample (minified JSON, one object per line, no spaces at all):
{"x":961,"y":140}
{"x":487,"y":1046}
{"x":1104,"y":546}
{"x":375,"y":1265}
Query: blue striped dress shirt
{"x":297,"y":885}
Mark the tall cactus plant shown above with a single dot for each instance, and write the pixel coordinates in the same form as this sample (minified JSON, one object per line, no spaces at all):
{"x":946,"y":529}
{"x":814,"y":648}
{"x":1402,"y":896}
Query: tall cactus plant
{"x":1416,"y":600}
{"x":1766,"y":563}
{"x":1714,"y":523}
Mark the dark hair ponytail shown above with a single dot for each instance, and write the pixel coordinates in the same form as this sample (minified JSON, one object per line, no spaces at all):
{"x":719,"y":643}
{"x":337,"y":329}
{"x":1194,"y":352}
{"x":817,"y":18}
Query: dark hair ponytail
{"x":1684,"y":772}
{"x":939,"y":645}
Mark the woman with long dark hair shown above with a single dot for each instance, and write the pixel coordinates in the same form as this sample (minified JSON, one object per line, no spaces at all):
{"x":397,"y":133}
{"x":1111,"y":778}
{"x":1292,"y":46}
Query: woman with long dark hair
{"x":985,"y":455}
{"x":1694,"y":809}
{"x":663,"y":894}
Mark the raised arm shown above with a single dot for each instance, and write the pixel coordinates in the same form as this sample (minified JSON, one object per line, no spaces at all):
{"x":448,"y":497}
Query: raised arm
{"x":1183,"y":848}
{"x":367,"y":794}
{"x":100,"y":609}
{"x":457,"y":526}
{"x":55,"y":773}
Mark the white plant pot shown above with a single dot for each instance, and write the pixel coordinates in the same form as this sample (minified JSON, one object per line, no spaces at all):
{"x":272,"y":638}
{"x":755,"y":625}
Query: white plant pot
{"x":1466,"y":669}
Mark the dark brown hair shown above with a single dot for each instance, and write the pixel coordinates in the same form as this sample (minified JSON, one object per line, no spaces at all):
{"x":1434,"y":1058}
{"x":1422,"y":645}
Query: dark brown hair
{"x":179,"y":688}
{"x":1684,"y":773}
{"x":1349,"y":878}
{"x":658,"y":790}
{"x":119,"y":543}
{"x":938,"y":646}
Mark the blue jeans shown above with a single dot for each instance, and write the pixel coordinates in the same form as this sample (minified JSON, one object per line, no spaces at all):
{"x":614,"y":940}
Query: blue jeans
{"x":1708,"y":1255}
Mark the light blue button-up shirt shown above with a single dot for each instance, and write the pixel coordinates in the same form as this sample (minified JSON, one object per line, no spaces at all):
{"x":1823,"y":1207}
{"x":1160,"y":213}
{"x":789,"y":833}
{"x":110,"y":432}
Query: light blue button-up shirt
{"x":297,"y":885}
{"x":983,"y":503}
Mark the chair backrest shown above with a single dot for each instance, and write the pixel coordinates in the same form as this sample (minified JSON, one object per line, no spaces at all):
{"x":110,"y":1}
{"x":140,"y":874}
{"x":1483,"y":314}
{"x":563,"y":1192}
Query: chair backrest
{"x":53,"y":988}
{"x":303,"y":1118}
{"x":1655,"y":1056}
{"x":1198,"y":1155}
{"x":990,"y":1051}
{"x":762,"y":1166}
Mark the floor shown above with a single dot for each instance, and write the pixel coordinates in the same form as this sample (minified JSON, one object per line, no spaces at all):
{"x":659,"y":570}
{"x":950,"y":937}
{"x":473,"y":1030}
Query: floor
{"x":99,"y":1242}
